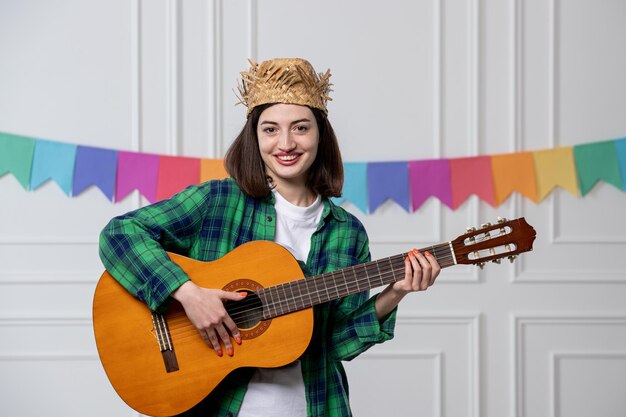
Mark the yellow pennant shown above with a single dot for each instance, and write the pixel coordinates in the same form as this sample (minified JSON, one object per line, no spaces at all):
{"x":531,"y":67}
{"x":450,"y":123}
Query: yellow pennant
{"x":555,"y":167}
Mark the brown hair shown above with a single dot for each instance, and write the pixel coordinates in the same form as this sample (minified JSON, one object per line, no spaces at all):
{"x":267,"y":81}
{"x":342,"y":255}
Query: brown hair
{"x":244,"y":163}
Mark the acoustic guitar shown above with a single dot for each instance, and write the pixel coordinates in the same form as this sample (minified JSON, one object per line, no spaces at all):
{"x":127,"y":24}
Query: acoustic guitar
{"x":159,"y":364}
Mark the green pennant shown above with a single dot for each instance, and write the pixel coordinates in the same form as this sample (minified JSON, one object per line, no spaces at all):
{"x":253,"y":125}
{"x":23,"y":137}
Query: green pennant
{"x":16,"y":157}
{"x":597,"y":161}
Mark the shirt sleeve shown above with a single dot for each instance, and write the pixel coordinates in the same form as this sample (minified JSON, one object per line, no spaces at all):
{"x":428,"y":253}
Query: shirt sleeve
{"x":133,"y":247}
{"x":356,"y":327}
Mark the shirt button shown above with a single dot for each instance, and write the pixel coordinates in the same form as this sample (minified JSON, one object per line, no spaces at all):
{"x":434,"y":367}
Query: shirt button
{"x":269,"y":218}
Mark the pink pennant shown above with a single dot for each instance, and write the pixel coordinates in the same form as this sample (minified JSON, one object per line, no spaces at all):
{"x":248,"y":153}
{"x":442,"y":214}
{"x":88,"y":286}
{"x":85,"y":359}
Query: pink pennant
{"x":471,"y":176}
{"x":430,"y":178}
{"x":175,"y":174}
{"x":137,"y":171}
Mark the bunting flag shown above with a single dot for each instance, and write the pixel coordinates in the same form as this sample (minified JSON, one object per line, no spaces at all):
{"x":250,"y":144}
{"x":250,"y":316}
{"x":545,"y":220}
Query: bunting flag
{"x":387,"y":181}
{"x":175,"y":174}
{"x":430,"y":178}
{"x":555,"y":168}
{"x":597,"y":161}
{"x":471,"y":176}
{"x":620,"y":147}
{"x":95,"y":166}
{"x":137,"y":171}
{"x":368,"y":185}
{"x":212,"y":169}
{"x":16,"y":157}
{"x":53,"y":161}
{"x":354,"y":185}
{"x":513,"y":172}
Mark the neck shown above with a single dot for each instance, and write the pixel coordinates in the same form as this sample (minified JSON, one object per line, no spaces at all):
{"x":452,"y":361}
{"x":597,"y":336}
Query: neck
{"x":297,"y":195}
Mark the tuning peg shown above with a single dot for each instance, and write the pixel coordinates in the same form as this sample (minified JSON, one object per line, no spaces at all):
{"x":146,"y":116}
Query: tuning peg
{"x":481,"y":265}
{"x":497,"y":261}
{"x":470,"y":229}
{"x":485,"y":225}
{"x":501,"y":219}
{"x":512,"y":258}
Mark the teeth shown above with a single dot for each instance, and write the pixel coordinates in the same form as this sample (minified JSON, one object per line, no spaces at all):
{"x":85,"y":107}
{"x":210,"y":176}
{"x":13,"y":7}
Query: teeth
{"x":287,"y":157}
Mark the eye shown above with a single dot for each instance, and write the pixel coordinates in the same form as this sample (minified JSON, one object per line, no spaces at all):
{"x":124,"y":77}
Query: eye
{"x":302,"y":128}
{"x":269,"y":130}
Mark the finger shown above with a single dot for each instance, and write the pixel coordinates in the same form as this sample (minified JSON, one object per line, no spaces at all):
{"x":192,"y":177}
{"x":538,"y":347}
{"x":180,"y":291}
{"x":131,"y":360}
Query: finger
{"x":212,"y":340}
{"x":225,"y":338}
{"x":416,"y":275}
{"x":232,"y":328}
{"x":435,"y":267}
{"x":232,"y":295}
{"x":425,"y":279}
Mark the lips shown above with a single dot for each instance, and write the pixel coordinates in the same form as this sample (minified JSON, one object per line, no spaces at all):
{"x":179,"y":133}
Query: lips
{"x":287,"y":159}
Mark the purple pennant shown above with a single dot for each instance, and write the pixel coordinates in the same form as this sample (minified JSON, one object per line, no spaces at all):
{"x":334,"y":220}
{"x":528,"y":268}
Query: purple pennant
{"x":95,"y":166}
{"x":430,"y":178}
{"x":137,"y":171}
{"x":387,"y":180}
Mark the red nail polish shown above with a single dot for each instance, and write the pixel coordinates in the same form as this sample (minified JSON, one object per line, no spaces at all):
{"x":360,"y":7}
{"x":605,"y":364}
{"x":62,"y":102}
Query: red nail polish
{"x":230,"y":351}
{"x":243,"y":294}
{"x":238,"y":340}
{"x":219,"y":353}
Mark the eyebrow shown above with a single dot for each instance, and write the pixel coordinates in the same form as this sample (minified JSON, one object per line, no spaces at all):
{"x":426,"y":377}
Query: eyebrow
{"x":292,"y":123}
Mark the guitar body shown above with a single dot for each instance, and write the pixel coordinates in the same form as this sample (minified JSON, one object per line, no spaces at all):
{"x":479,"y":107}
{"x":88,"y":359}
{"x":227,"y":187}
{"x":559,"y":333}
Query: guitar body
{"x":129,"y":348}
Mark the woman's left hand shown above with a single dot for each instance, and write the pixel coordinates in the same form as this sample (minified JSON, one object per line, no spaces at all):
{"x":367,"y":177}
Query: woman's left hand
{"x":420,"y":272}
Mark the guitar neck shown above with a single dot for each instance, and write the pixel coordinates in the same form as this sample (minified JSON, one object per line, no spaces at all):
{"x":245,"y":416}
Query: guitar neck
{"x":308,"y":292}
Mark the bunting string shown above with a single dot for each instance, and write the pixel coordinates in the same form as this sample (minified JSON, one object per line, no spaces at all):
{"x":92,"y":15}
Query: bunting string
{"x":492,"y":178}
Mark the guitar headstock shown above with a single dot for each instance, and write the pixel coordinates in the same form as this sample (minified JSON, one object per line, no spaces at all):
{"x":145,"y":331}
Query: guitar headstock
{"x":505,"y":239}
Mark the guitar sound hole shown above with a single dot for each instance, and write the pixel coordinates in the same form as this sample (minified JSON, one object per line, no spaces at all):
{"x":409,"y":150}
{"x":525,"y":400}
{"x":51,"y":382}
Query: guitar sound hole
{"x":246,"y":313}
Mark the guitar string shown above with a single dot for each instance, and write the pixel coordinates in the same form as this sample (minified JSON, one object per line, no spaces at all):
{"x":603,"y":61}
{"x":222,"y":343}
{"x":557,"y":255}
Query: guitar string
{"x":322,"y":279}
{"x":352,"y":286}
{"x":296,"y":301}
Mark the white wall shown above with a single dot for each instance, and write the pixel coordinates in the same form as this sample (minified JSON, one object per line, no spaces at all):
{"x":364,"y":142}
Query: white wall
{"x":413,"y":80}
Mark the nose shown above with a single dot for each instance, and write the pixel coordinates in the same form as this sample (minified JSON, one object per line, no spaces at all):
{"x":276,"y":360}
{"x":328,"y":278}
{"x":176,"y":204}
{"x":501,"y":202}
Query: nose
{"x":285,"y":141}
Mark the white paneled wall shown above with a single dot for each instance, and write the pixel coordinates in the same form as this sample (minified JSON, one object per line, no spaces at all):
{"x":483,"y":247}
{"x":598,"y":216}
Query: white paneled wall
{"x":412,"y":80}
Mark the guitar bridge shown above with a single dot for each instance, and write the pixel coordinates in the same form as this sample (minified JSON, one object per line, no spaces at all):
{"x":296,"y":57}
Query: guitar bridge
{"x":162,"y":332}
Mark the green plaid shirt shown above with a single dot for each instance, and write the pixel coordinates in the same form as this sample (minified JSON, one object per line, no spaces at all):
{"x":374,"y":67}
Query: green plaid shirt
{"x":207,"y":221}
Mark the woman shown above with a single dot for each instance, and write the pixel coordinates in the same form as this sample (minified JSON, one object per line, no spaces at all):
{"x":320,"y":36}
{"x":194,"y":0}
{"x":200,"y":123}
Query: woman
{"x":285,"y":165}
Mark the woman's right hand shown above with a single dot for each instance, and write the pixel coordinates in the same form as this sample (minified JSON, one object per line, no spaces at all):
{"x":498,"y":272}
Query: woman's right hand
{"x":205,"y":309}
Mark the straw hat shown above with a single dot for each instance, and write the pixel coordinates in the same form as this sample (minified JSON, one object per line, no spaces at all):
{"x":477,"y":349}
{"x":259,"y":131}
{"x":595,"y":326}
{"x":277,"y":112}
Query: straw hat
{"x":284,"y":80}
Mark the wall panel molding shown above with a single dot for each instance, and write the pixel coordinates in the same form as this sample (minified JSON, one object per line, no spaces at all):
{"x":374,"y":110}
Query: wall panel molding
{"x":519,"y":324}
{"x":555,"y":364}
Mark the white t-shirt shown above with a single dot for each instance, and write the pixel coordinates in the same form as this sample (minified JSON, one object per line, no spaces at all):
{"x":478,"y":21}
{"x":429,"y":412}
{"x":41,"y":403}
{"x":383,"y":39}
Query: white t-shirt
{"x":280,"y":391}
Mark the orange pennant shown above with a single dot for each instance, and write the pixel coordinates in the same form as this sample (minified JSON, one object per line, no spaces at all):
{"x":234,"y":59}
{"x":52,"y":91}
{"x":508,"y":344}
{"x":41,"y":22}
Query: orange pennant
{"x":513,"y":172}
{"x":555,"y":167}
{"x":212,"y":169}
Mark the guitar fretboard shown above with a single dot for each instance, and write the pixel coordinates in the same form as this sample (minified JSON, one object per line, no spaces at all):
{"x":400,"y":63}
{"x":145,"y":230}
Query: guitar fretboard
{"x":308,"y":292}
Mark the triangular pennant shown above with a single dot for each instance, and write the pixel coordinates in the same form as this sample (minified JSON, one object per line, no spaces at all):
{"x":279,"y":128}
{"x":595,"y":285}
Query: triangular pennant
{"x":597,"y":161}
{"x":53,"y":161}
{"x":555,"y":167}
{"x":513,"y":172}
{"x":175,"y":174}
{"x":469,"y":176}
{"x":388,"y":181}
{"x":212,"y":169}
{"x":354,"y":185}
{"x":136,"y":171}
{"x":16,"y":157}
{"x":620,"y":147}
{"x":430,"y":178}
{"x":95,"y":166}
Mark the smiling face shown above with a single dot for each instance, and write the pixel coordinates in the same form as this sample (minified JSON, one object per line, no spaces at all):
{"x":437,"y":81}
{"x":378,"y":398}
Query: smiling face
{"x":288,"y":140}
